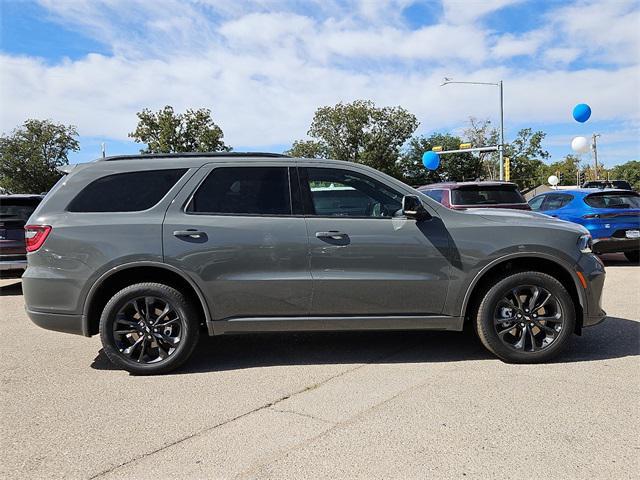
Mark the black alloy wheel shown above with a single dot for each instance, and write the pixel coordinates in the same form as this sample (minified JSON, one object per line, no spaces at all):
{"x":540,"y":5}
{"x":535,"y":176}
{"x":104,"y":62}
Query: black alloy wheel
{"x":149,"y":328}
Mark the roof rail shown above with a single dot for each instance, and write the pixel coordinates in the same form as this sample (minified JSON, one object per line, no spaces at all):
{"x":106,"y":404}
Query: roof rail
{"x":193,"y":155}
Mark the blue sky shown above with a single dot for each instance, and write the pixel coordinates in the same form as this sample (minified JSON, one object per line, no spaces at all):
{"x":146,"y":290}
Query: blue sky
{"x":264,"y":66}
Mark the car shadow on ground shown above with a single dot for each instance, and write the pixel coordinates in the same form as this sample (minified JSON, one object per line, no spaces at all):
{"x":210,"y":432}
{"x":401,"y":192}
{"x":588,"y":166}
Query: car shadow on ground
{"x":12,"y":289}
{"x":616,"y":260}
{"x":614,"y":338}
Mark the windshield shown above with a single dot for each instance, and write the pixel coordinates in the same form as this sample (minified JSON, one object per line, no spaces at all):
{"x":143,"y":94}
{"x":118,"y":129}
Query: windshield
{"x":19,"y":209}
{"x":486,"y":195}
{"x":613,"y":200}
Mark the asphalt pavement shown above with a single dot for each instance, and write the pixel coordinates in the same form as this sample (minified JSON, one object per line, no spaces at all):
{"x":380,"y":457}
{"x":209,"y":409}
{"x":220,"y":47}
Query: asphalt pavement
{"x":344,"y":405}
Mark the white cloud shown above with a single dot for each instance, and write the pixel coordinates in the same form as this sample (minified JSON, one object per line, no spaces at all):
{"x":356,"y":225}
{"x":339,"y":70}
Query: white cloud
{"x":468,"y":11}
{"x":263,"y":72}
{"x":509,"y":45}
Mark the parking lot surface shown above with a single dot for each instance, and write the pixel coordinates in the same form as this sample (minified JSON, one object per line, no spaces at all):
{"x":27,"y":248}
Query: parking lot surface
{"x":344,"y":405}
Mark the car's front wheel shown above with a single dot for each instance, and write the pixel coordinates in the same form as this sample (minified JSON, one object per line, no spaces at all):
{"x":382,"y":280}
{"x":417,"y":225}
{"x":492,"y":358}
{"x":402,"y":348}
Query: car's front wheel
{"x":148,"y":328}
{"x":526,"y":317}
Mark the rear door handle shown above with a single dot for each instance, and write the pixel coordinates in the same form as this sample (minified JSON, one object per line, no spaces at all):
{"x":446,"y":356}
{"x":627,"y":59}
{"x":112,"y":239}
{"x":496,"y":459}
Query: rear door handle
{"x":331,"y":234}
{"x":192,"y":233}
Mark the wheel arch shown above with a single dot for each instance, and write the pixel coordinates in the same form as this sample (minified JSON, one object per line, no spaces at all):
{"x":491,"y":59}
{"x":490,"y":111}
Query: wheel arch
{"x":523,"y":262}
{"x":128,"y":274}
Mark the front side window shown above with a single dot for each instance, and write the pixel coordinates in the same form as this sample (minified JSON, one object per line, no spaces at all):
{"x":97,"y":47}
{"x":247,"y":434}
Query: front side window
{"x":126,"y":192}
{"x":556,"y":201}
{"x":343,"y":193}
{"x":243,"y":191}
{"x":536,"y":203}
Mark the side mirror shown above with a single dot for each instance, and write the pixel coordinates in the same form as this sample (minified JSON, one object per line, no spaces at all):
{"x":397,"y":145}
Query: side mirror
{"x":412,"y":208}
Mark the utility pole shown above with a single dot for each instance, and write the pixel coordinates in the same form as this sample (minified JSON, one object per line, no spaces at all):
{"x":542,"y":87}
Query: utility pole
{"x":594,"y":147}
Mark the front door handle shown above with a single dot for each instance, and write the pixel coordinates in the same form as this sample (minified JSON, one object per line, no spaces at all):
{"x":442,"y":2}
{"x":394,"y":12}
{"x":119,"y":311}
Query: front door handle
{"x":192,"y":233}
{"x":336,"y":235}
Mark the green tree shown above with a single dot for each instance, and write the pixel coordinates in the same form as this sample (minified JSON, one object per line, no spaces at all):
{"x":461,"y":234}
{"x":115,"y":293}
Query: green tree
{"x":527,"y":157}
{"x":629,"y":171}
{"x":453,"y":166}
{"x":566,"y":170}
{"x":31,"y":154}
{"x":359,"y":132}
{"x":309,"y":149}
{"x":165,"y":131}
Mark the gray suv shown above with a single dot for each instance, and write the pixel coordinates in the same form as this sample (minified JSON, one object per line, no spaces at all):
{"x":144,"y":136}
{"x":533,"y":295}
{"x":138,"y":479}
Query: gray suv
{"x":147,"y":251}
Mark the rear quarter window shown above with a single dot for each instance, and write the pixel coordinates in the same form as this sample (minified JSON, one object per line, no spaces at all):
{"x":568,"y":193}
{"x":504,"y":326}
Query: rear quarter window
{"x":126,"y":192}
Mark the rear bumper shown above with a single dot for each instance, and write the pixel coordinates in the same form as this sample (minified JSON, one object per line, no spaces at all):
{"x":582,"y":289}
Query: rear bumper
{"x":57,"y":321}
{"x":9,"y":265}
{"x":613,"y":245}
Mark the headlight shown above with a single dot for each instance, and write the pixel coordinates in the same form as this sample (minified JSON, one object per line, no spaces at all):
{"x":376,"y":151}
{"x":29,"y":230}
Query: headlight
{"x":585,"y":243}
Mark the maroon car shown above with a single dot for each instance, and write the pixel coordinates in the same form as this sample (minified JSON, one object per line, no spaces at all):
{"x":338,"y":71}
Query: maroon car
{"x":463,"y":195}
{"x":15,"y":210}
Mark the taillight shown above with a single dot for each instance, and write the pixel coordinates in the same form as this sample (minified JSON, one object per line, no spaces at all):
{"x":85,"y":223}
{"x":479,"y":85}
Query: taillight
{"x":35,"y":235}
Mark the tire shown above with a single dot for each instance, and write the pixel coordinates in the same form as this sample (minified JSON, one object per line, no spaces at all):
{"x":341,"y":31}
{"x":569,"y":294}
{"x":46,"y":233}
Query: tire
{"x":171,"y":337}
{"x":529,"y":340}
{"x":633,"y":256}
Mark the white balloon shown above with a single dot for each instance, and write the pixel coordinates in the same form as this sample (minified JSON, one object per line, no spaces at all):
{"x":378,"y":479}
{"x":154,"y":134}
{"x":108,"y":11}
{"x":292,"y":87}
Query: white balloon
{"x":580,"y":145}
{"x":553,"y":180}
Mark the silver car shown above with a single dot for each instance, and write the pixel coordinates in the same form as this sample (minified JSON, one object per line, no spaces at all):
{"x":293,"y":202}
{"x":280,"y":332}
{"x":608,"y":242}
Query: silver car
{"x":148,"y":251}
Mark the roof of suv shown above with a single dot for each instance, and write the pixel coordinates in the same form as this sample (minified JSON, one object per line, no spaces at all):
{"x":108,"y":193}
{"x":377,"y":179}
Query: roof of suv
{"x":454,"y":185}
{"x":193,"y":155}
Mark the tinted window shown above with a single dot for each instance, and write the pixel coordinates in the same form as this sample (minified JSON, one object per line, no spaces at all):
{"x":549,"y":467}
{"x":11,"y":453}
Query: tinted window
{"x":435,"y":194}
{"x":613,"y":200}
{"x":244,"y":190}
{"x":535,"y":203}
{"x":343,"y":193}
{"x":556,"y":201}
{"x":17,"y":209}
{"x":623,"y":184}
{"x":126,"y":192}
{"x":486,"y":195}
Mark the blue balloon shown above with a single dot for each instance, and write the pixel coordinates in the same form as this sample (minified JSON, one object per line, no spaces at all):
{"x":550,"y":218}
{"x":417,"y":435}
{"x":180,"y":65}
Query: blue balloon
{"x":581,"y":112}
{"x":431,"y":160}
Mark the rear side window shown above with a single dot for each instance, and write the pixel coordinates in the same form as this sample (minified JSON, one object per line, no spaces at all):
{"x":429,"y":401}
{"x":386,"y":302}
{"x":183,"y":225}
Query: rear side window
{"x":613,"y":200}
{"x":126,"y":192}
{"x":486,"y":195}
{"x":244,"y":191}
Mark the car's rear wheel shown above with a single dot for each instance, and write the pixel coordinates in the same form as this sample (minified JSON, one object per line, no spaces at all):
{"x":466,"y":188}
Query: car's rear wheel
{"x":526,"y":317}
{"x":633,"y":256}
{"x":148,"y":328}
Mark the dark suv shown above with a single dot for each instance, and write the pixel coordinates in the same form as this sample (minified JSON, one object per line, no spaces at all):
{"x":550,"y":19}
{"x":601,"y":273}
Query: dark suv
{"x":463,"y":195}
{"x":145,"y":250}
{"x":14,"y":212}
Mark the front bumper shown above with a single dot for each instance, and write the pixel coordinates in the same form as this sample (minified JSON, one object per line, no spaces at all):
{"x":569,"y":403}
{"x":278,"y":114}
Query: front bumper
{"x":592,"y":269}
{"x":614,"y":245}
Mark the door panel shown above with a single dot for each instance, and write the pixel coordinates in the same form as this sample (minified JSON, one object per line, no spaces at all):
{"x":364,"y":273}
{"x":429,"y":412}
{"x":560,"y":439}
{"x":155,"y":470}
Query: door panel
{"x":247,"y":264}
{"x":365,"y":258}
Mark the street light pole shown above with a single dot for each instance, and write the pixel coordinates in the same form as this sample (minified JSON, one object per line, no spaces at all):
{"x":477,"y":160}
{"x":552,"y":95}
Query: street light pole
{"x":447,"y":81}
{"x":594,"y":146}
{"x":501,"y":151}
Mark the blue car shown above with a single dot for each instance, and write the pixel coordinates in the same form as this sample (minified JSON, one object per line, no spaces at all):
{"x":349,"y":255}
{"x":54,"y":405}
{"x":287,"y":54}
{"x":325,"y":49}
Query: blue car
{"x":611,"y":215}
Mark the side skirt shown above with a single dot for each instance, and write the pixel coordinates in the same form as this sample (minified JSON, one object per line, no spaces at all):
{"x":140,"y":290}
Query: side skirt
{"x":311,"y":324}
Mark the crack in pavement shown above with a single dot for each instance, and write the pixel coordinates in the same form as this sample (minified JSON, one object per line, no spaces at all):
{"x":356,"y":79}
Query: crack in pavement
{"x":242,"y":415}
